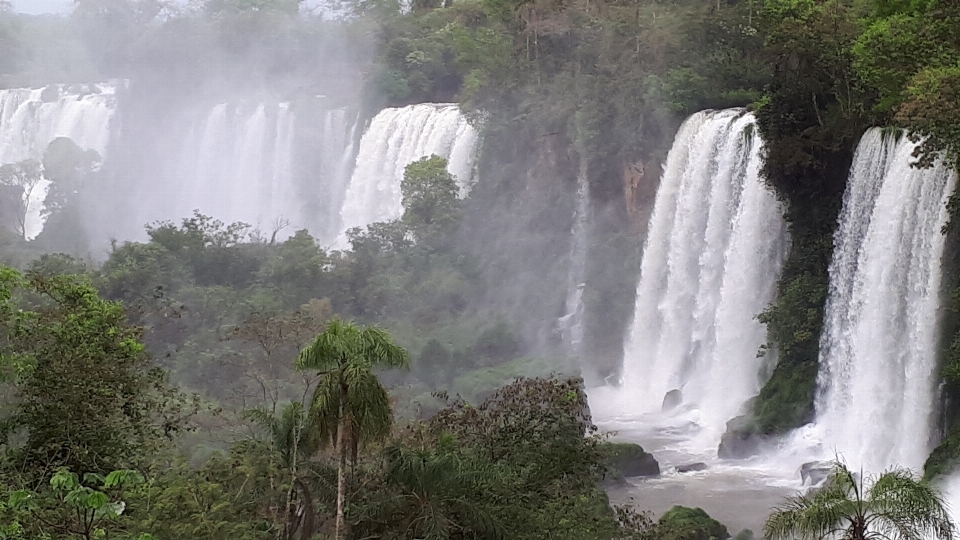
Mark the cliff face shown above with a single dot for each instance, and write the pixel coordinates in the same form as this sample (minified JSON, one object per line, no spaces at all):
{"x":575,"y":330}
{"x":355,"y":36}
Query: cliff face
{"x":639,"y":191}
{"x":519,"y":218}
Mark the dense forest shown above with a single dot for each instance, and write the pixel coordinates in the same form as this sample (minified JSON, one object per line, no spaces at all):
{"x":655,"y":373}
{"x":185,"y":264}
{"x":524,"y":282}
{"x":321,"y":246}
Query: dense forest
{"x":217,"y":380}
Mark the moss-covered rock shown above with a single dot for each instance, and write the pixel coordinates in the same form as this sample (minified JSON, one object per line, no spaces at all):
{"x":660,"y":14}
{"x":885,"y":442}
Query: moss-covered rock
{"x":683,"y":523}
{"x":627,"y":459}
{"x":944,"y":458}
{"x":742,"y":439}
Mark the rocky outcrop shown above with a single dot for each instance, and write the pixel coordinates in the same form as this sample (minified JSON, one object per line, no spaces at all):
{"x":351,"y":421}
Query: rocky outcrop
{"x":671,"y":400}
{"x":626,"y":460}
{"x":633,"y":175}
{"x":684,"y":523}
{"x":691,"y":467}
{"x":814,"y":472}
{"x":741,"y":440}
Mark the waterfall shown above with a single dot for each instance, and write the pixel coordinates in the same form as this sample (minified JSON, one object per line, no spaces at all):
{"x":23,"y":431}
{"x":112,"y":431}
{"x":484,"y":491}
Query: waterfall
{"x":244,"y":162}
{"x":571,"y":323}
{"x":396,"y":138}
{"x":31,"y":118}
{"x":876,"y":386}
{"x":236,"y":166}
{"x":715,"y":246}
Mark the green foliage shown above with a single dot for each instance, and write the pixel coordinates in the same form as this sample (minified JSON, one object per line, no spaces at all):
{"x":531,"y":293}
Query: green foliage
{"x":895,"y":504}
{"x":431,"y":206}
{"x":87,"y":396}
{"x":517,"y":465}
{"x":945,"y":457}
{"x":436,"y":494}
{"x":931,"y":111}
{"x":349,"y":396}
{"x":91,"y":508}
{"x":682,"y":523}
{"x":238,"y":496}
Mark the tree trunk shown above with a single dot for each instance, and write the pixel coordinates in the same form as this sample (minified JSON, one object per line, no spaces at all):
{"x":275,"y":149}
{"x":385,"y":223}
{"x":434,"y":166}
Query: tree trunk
{"x":341,"y":533}
{"x":308,"y":528}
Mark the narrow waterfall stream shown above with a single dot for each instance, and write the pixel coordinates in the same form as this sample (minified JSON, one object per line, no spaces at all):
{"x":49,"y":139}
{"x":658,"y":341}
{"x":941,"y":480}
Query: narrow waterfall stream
{"x":571,"y":323}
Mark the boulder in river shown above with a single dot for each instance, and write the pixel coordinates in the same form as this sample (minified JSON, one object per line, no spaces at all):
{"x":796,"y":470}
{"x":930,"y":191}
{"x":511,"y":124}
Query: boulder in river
{"x":627,"y":459}
{"x":813,"y":473}
{"x":691,"y":467}
{"x":741,"y":440}
{"x":671,"y":400}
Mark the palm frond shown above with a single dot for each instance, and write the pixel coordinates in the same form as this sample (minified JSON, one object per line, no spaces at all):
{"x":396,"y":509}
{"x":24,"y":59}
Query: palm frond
{"x":816,"y":515}
{"x":902,"y":506}
{"x":895,"y":506}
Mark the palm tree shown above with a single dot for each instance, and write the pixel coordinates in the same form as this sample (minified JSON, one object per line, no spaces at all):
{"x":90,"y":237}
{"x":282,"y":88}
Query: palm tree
{"x":437,"y":494}
{"x":294,"y":440}
{"x":894,"y":506}
{"x":349,"y":405}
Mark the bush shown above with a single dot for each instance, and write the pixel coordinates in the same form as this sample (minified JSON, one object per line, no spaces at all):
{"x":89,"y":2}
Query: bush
{"x":683,"y":523}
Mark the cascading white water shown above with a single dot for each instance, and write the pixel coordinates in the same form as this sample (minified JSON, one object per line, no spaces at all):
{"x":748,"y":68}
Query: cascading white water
{"x":571,"y":323}
{"x":236,"y":165}
{"x":238,"y":162}
{"x":878,"y":362}
{"x":396,"y":138}
{"x":715,"y":246}
{"x":31,"y":118}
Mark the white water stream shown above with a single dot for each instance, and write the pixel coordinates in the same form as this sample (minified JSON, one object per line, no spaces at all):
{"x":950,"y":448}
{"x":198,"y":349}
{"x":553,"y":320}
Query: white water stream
{"x":396,"y":138}
{"x":716,"y":242}
{"x":30,"y":119}
{"x":878,"y":367}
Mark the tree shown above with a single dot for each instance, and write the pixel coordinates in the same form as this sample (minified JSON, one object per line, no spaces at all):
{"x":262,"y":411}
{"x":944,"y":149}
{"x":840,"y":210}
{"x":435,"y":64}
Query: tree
{"x":349,"y":405}
{"x":436,"y":495}
{"x":893,"y":506}
{"x":430,"y":197}
{"x":20,"y":179}
{"x":87,"y":398}
{"x":88,"y":509}
{"x":294,"y":440}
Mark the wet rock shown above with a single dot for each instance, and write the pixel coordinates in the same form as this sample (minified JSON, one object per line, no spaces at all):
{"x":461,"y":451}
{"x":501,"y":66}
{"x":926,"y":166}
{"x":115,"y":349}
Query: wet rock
{"x":627,"y":459}
{"x":50,"y":94}
{"x":813,"y":473}
{"x":691,"y":467}
{"x":671,"y":400}
{"x":741,"y":441}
